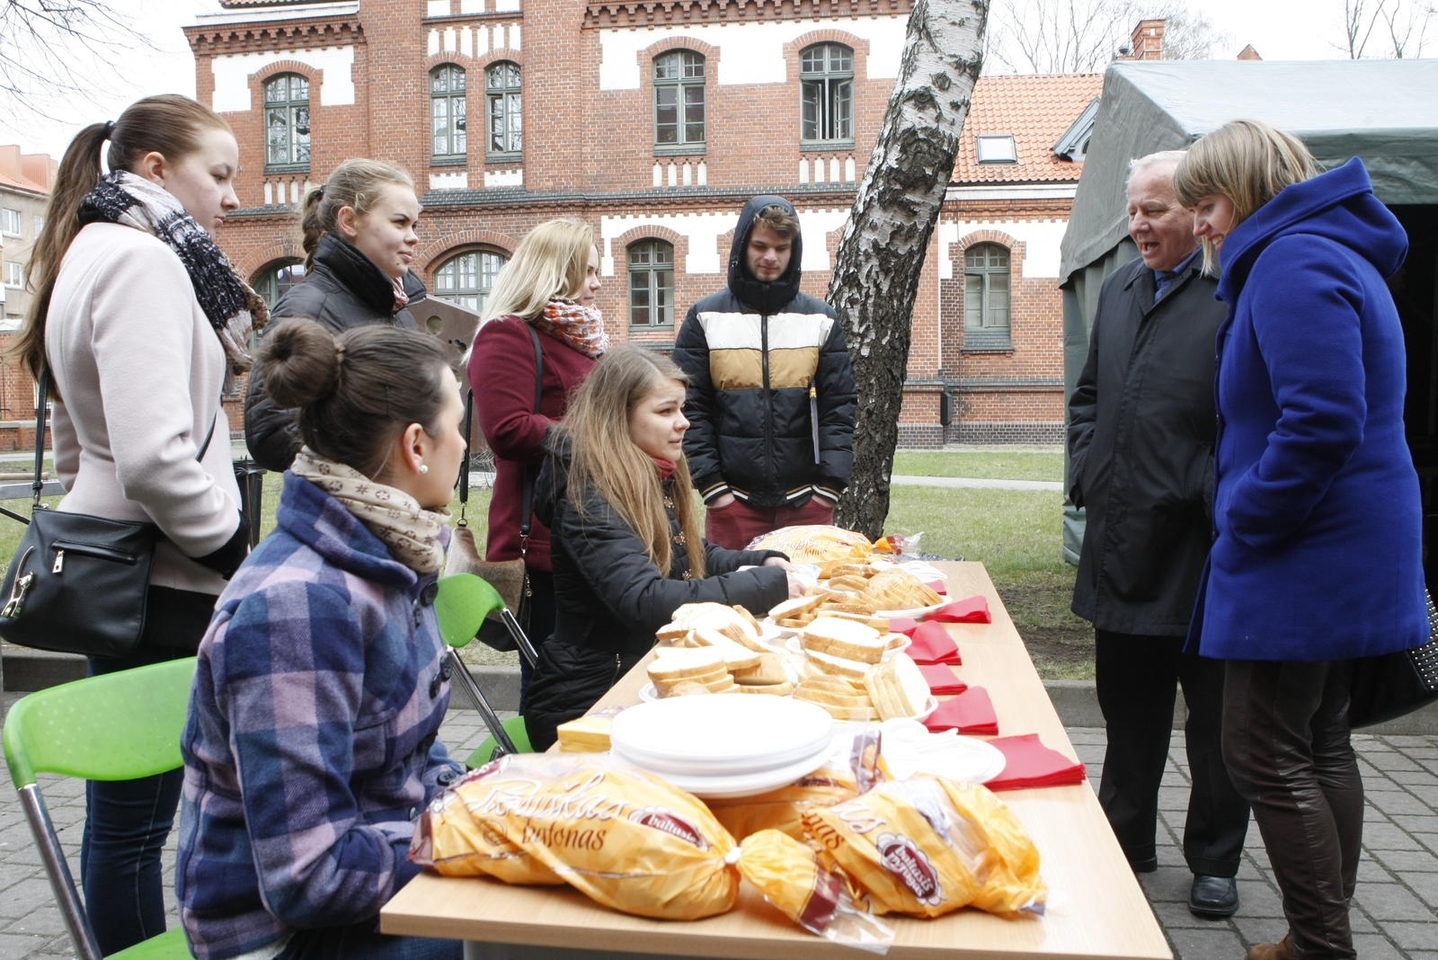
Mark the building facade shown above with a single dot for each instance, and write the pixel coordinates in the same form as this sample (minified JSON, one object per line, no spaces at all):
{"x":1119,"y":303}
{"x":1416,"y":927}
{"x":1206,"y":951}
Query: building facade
{"x":655,"y":123}
{"x":25,"y":183}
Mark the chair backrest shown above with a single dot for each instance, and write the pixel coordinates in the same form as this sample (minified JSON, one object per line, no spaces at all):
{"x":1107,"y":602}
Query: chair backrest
{"x":116,"y":726}
{"x":461,"y":605}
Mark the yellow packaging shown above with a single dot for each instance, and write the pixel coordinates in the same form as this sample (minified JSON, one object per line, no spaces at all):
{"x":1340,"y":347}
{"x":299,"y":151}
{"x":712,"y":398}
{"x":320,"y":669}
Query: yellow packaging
{"x":816,"y":897}
{"x":627,"y":840}
{"x":927,"y":846}
{"x":815,"y":543}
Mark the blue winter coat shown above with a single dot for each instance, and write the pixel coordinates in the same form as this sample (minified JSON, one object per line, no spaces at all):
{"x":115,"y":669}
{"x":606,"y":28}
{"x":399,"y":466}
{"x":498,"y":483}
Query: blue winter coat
{"x":1316,"y":505}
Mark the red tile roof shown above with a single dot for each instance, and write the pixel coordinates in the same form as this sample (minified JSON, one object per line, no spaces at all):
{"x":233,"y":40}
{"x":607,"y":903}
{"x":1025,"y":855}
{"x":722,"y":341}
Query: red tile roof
{"x":1037,"y":110}
{"x":32,"y":172}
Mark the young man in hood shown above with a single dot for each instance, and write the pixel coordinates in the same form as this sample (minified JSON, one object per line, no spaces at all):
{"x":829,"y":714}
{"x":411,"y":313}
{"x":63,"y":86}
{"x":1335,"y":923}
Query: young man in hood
{"x":771,"y":388}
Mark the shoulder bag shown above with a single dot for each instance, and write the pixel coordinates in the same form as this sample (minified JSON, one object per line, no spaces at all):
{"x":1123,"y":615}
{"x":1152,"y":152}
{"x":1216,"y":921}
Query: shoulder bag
{"x":77,"y":583}
{"x":509,"y":577}
{"x":1393,"y":684}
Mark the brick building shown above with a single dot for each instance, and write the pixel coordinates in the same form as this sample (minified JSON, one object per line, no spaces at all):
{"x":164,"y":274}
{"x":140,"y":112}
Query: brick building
{"x":25,"y":182}
{"x":655,"y":123}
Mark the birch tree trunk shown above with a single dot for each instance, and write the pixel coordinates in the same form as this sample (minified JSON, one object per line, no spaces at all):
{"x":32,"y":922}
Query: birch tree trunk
{"x":876,"y":274}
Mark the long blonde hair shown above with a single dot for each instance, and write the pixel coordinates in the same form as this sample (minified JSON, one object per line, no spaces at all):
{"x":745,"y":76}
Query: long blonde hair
{"x":168,"y":124}
{"x":551,"y":261}
{"x":603,"y":453}
{"x":1246,"y":161}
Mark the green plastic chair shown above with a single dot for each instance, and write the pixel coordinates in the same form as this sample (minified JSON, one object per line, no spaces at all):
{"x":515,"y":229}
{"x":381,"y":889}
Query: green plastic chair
{"x":117,"y":726}
{"x":462,"y":603}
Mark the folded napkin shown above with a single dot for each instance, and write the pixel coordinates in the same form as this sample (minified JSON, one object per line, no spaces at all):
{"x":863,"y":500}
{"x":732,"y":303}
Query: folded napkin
{"x":941,"y":679}
{"x":973,"y":610}
{"x":1031,"y":764}
{"x":931,"y":643}
{"x":904,"y":625}
{"x":969,"y":712}
{"x":938,"y":586}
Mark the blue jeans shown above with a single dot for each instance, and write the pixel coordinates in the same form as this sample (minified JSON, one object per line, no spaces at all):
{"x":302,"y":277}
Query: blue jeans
{"x":362,"y":941}
{"x":128,"y":821}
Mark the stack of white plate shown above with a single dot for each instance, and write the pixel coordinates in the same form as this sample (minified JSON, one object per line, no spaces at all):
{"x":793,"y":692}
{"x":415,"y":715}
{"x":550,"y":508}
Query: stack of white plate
{"x":724,"y":745}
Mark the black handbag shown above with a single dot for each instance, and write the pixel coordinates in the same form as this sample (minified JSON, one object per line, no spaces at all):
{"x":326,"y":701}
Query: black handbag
{"x":1393,"y":684}
{"x":77,"y":583}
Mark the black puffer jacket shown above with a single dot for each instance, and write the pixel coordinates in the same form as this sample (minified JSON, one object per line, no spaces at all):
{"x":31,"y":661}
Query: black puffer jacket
{"x":610,"y":599}
{"x":1141,"y":429}
{"x":343,"y":289}
{"x":771,"y":387}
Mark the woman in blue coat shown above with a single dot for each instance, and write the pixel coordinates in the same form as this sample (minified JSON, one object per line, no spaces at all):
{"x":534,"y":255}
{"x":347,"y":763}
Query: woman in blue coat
{"x":1317,"y":555}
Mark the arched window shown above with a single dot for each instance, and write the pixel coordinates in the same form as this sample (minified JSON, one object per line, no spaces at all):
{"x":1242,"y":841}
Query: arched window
{"x":651,"y":284}
{"x":679,"y":99}
{"x":447,"y":113}
{"x":275,"y":280}
{"x":826,"y":93}
{"x":287,"y":122}
{"x":501,"y":93}
{"x":986,"y":296}
{"x":468,"y":278}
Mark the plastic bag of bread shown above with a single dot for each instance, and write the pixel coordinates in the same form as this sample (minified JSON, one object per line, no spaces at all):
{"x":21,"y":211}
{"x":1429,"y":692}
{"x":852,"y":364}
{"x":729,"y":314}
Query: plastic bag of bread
{"x":815,"y":543}
{"x":627,"y":840}
{"x":926,"y":846}
{"x":851,"y":768}
{"x":818,"y":898}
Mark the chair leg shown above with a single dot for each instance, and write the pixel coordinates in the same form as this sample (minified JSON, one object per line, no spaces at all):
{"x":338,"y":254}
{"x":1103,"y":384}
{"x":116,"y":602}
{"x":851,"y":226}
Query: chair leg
{"x":57,"y":868}
{"x":521,"y":639}
{"x":462,"y":676}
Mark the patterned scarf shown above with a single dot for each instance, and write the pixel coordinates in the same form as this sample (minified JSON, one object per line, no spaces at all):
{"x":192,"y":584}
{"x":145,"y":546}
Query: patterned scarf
{"x":412,"y":533}
{"x":580,"y":327}
{"x":234,"y":310}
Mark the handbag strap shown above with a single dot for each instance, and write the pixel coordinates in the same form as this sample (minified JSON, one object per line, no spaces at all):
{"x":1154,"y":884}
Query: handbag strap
{"x":528,"y":501}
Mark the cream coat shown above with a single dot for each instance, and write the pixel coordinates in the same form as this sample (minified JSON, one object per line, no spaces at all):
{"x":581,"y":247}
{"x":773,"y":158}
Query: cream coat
{"x":140,"y":371}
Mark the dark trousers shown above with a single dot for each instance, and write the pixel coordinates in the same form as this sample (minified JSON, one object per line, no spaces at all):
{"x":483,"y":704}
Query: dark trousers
{"x":1286,"y":742}
{"x":1137,"y":679}
{"x":128,"y":821}
{"x":736,"y":525}
{"x":363,"y":941}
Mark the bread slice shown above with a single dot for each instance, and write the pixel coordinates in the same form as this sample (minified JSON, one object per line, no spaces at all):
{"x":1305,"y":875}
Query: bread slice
{"x":769,"y":670}
{"x":816,"y":661}
{"x":898,"y":688}
{"x":736,"y":656}
{"x":843,"y":638}
{"x":696,"y":663}
{"x":776,"y":689}
{"x":684,"y":688}
{"x":796,"y":607}
{"x":880,"y":624}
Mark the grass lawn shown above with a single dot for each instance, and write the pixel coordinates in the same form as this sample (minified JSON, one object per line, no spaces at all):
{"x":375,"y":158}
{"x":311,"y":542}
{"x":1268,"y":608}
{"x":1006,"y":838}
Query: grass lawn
{"x":1015,"y":533}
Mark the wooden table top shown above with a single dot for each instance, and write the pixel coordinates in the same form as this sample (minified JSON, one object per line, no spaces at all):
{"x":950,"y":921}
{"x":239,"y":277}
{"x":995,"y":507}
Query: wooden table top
{"x":1095,"y":908}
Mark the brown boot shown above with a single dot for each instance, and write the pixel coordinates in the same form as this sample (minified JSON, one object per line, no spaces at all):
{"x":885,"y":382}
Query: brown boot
{"x":1273,"y":951}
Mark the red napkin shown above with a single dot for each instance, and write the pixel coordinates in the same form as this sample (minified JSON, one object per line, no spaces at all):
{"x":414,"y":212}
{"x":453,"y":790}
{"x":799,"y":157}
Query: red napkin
{"x":938,"y":586}
{"x":969,"y":712}
{"x":931,"y":643}
{"x":1031,"y":764}
{"x":941,"y":679}
{"x":973,"y":610}
{"x":903,"y":625}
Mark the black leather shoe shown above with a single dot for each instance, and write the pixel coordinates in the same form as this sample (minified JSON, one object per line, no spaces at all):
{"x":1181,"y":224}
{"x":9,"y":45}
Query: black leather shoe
{"x":1213,"y":897}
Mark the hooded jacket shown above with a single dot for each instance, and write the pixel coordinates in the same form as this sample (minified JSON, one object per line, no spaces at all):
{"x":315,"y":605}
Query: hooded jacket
{"x":1317,"y":512}
{"x":771,"y":387}
{"x":343,"y":289}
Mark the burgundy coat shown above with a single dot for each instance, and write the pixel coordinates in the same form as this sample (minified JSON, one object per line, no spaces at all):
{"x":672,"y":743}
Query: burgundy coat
{"x":501,"y":374}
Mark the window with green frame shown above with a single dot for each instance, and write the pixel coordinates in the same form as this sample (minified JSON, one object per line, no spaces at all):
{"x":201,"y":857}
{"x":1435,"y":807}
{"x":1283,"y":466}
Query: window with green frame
{"x":651,"y":284}
{"x":287,"y":123}
{"x":448,"y":113}
{"x":679,"y":100}
{"x":986,"y":296}
{"x":468,"y":278}
{"x":826,"y":94}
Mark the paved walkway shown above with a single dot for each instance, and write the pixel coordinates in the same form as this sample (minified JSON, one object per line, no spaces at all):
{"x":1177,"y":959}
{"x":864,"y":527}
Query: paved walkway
{"x":1393,"y":911}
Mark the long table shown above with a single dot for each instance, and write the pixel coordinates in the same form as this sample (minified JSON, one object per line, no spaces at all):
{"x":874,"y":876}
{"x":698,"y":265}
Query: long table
{"x":1095,"y":908}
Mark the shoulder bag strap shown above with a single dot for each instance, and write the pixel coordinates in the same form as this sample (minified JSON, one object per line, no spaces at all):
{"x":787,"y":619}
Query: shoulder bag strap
{"x":528,"y":503}
{"x":464,"y":464}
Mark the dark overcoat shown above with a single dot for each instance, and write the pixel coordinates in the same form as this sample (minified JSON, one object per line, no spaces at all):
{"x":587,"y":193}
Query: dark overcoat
{"x":1140,"y":439}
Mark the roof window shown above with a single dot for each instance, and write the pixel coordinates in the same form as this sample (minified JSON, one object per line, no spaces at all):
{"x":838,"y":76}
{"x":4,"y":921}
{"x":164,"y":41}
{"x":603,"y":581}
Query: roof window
{"x":996,"y":148}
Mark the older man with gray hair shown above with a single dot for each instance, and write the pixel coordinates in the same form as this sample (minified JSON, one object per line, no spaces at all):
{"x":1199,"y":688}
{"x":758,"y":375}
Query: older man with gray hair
{"x":1140,"y":441}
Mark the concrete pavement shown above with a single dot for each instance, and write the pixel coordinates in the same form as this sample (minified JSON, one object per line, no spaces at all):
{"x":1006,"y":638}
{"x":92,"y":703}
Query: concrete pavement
{"x":1393,"y":910}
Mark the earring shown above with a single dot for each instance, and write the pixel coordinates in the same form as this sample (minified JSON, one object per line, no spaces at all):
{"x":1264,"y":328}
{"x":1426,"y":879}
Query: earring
{"x":424,"y":468}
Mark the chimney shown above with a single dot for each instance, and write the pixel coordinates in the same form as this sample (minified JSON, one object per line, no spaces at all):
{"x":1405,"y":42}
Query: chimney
{"x":1146,"y":43}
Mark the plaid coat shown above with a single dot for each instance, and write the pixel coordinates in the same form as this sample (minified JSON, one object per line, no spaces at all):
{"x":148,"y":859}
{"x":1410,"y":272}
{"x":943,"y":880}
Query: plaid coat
{"x":310,"y":745}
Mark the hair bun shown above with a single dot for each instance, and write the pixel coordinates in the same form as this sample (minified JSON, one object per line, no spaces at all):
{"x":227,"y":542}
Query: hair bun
{"x":301,"y":361}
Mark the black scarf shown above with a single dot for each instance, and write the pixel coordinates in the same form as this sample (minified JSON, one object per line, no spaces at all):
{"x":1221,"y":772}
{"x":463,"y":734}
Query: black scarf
{"x":234,"y":310}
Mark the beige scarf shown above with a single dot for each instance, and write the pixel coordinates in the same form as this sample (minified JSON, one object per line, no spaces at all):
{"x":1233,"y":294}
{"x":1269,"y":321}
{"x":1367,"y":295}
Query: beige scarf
{"x":411,"y":532}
